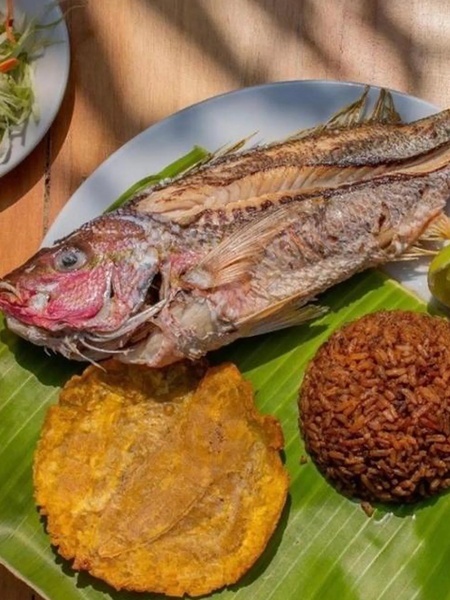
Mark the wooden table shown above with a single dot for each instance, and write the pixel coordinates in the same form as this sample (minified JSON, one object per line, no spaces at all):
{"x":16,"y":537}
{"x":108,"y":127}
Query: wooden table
{"x":137,"y":61}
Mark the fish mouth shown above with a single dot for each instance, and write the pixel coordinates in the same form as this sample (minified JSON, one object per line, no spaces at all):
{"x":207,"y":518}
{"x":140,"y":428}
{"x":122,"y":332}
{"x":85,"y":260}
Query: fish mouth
{"x":32,"y":333}
{"x":91,"y":346}
{"x":94,"y":343}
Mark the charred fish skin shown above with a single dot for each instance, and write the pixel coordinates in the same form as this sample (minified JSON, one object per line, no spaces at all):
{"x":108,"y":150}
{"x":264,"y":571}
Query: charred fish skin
{"x":335,"y":157}
{"x":226,"y":252}
{"x":323,"y":240}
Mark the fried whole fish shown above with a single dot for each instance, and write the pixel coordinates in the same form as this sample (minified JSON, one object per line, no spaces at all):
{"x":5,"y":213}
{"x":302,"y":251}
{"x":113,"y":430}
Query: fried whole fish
{"x":238,"y":247}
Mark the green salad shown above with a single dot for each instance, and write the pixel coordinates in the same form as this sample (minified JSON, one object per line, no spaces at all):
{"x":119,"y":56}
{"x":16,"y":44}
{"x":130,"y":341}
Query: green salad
{"x":21,"y":42}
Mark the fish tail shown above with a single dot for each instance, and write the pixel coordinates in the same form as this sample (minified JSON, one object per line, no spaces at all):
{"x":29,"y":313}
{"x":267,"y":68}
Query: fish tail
{"x":438,"y":230}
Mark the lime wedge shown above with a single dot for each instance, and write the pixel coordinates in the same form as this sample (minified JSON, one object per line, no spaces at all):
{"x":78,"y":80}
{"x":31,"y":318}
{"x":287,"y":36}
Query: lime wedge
{"x":439,"y":276}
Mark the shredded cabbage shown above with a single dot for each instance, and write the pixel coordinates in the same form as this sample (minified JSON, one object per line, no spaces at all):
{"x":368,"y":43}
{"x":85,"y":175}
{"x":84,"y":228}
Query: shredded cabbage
{"x":17,"y":98}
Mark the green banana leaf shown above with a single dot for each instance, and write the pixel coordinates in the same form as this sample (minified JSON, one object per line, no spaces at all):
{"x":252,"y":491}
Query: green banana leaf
{"x":325,"y":546}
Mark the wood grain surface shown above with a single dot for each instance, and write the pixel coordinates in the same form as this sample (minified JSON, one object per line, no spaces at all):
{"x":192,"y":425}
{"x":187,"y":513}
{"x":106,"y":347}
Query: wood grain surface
{"x":137,"y":61}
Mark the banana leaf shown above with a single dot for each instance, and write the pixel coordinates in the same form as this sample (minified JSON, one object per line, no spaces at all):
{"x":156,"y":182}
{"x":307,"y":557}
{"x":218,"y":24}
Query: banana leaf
{"x":324,"y":547}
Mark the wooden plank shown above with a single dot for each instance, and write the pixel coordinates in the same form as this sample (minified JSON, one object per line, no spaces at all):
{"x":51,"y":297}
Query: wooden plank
{"x":12,"y":588}
{"x":22,"y":210}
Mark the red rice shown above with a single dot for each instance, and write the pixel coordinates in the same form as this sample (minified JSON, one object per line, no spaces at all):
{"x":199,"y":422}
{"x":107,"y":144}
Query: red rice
{"x":375,"y":407}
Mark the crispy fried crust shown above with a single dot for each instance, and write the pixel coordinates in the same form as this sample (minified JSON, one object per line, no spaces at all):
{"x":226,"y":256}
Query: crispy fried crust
{"x":160,"y":480}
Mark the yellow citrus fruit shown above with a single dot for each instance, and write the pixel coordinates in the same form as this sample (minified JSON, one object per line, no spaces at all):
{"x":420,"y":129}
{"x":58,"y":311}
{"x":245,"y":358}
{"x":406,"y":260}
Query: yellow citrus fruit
{"x":439,"y":276}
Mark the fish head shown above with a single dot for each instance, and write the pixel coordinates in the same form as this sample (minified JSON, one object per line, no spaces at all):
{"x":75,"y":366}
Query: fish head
{"x":91,"y":281}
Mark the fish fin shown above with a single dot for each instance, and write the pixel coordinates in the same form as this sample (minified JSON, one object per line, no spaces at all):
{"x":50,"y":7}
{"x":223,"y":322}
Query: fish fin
{"x":384,"y":110}
{"x":225,"y":150}
{"x":388,"y":241}
{"x":232,"y":148}
{"x":387,"y":237}
{"x":210,"y":157}
{"x":438,"y":230}
{"x":286,"y":313}
{"x":232,"y":258}
{"x":415,"y":251}
{"x":347,"y":116}
{"x":354,"y":114}
{"x":350,"y":115}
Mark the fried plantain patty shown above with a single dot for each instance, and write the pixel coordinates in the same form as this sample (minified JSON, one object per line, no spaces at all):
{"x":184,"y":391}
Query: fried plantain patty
{"x":160,"y":480}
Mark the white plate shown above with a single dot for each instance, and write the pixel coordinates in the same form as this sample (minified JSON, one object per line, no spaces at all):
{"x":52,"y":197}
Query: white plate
{"x":273,"y":110}
{"x":51,"y":72}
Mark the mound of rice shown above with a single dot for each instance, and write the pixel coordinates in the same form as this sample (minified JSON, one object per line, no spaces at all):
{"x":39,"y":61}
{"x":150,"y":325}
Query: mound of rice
{"x":375,"y":410}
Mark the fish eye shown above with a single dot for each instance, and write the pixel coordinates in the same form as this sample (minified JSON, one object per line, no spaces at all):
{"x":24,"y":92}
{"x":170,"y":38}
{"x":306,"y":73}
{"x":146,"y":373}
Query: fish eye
{"x":69,"y":259}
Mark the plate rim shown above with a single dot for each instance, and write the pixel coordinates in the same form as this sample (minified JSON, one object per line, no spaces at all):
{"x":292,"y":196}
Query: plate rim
{"x":18,"y":155}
